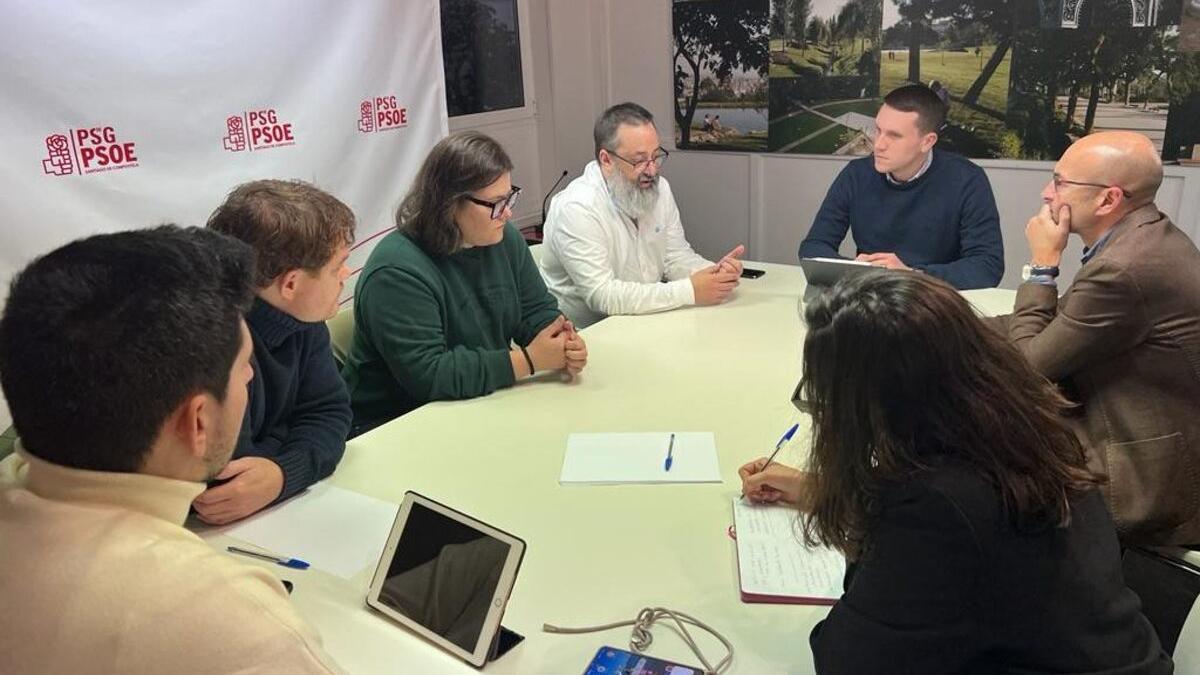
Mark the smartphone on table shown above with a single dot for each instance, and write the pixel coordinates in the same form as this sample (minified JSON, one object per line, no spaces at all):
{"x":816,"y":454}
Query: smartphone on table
{"x":613,"y":661}
{"x":751,"y":273}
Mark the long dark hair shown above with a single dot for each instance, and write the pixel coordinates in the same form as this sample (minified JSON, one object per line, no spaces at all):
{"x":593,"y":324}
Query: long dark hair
{"x":457,"y":166}
{"x":899,"y":373}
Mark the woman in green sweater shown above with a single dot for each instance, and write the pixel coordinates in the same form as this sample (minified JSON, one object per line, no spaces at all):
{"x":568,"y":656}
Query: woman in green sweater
{"x":443,"y":300}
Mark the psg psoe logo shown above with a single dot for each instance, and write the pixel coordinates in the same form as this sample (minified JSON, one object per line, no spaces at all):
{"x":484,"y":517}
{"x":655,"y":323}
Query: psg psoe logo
{"x":257,"y":130}
{"x":235,"y":139}
{"x":381,"y":114}
{"x":87,"y":151}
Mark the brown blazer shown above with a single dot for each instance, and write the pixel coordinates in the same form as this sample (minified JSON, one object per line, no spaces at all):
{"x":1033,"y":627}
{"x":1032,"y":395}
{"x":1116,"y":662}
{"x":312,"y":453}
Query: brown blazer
{"x":1124,"y":342}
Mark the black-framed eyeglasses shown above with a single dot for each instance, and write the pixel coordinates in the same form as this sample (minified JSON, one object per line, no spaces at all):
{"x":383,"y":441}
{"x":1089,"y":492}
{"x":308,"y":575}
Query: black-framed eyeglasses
{"x":508,"y":201}
{"x":658,"y":158}
{"x":1059,"y":181}
{"x":798,"y":398}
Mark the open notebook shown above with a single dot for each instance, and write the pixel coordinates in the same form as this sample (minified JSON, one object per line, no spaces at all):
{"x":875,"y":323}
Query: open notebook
{"x":775,"y":566}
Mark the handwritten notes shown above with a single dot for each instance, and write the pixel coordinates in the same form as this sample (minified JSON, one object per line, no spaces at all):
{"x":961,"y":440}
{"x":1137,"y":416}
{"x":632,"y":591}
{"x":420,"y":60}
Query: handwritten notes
{"x":774,"y":565}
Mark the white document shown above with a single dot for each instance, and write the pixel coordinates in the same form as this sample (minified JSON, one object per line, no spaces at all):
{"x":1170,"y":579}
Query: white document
{"x":335,"y":530}
{"x":773,"y":560}
{"x":607,"y":459}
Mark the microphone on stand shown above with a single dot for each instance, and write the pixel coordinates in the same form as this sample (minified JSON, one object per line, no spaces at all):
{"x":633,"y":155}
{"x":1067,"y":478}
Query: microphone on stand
{"x":541,"y":229}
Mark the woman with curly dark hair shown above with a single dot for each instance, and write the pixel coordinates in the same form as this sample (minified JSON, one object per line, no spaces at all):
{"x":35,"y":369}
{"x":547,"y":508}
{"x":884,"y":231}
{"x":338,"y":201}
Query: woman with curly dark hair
{"x":975,"y":537}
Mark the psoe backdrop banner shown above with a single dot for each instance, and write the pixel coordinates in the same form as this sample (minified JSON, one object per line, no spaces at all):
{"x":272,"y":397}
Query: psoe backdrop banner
{"x":130,"y":114}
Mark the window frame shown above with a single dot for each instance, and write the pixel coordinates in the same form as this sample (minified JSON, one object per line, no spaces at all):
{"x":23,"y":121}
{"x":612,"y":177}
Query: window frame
{"x":522,"y":112}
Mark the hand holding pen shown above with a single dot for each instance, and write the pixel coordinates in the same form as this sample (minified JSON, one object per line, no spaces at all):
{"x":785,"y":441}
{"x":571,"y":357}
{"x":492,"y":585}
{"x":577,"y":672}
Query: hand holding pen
{"x":766,"y":482}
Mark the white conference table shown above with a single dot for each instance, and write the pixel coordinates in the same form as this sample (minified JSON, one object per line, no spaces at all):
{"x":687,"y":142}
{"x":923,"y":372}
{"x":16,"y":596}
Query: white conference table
{"x":598,"y":554}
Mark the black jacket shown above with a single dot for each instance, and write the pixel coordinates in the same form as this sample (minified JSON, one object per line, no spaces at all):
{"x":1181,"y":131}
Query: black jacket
{"x":949,"y":585}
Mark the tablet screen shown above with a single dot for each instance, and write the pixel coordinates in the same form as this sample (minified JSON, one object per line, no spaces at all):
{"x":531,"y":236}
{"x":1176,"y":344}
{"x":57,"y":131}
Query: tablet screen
{"x":444,"y":575}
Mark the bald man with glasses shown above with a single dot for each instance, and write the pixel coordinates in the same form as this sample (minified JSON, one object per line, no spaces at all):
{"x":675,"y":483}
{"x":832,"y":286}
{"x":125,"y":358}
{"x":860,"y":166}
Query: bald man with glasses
{"x":1124,"y":338}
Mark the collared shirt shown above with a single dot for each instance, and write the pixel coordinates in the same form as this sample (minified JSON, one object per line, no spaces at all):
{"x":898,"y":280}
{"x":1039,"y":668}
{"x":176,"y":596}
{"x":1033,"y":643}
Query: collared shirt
{"x":920,"y":172}
{"x":597,"y":261}
{"x":1090,"y":252}
{"x":98,"y":575}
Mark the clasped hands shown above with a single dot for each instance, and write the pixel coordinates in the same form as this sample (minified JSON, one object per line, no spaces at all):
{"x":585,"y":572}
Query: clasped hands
{"x":558,"y":346}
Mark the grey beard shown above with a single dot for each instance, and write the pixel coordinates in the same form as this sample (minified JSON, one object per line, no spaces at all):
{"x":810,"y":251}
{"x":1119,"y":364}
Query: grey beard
{"x":630,"y":199}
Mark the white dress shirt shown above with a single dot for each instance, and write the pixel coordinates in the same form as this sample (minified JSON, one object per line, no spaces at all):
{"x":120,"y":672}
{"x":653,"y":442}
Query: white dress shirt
{"x":598,"y":262}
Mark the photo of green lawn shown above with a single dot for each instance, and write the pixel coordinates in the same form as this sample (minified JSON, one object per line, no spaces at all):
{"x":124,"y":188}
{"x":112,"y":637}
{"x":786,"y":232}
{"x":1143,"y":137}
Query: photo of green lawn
{"x":823,"y":128}
{"x":844,"y":57}
{"x":824,"y":74}
{"x":976,"y":129}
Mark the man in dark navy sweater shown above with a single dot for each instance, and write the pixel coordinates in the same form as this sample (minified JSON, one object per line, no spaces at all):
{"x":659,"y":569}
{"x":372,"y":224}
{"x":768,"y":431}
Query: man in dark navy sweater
{"x":909,"y":207}
{"x":298,"y":413}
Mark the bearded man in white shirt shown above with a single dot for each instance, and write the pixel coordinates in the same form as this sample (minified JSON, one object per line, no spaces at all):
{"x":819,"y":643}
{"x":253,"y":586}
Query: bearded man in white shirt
{"x":613,"y":240}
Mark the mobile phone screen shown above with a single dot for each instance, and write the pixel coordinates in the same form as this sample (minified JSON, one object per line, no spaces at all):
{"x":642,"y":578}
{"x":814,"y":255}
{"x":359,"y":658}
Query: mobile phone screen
{"x":613,"y":661}
{"x":750,"y":273}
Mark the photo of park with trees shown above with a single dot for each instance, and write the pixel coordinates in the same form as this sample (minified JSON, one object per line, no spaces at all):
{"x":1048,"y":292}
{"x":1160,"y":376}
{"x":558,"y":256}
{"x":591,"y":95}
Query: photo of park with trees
{"x":1022,"y":79}
{"x":963,"y":50}
{"x":824,"y":75}
{"x":1102,"y":74}
{"x":720,"y":64}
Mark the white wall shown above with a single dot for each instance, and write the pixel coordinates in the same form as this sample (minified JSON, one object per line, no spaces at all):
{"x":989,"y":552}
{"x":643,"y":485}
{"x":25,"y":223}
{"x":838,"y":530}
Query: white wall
{"x":607,"y":51}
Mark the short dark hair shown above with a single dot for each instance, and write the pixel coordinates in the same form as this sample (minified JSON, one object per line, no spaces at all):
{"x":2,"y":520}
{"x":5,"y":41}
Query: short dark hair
{"x":900,"y":374}
{"x":103,"y":338}
{"x":605,"y":131}
{"x":931,"y":112}
{"x":457,"y":166}
{"x":291,"y":225}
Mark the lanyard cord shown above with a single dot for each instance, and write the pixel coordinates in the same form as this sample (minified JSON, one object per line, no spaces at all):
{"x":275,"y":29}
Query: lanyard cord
{"x":641,"y":638}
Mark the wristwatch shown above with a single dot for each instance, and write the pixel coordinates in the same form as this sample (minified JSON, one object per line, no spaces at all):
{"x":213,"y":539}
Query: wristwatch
{"x":1037,"y":271}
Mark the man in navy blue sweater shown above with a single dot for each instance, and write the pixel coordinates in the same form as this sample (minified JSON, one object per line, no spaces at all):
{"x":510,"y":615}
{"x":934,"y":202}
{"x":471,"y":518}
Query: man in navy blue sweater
{"x":909,"y":207}
{"x":298,"y":413}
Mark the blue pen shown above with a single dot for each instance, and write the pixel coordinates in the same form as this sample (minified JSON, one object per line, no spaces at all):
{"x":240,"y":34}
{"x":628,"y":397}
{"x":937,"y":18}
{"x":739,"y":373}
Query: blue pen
{"x":670,"y":449}
{"x":294,"y":563}
{"x":783,"y":440}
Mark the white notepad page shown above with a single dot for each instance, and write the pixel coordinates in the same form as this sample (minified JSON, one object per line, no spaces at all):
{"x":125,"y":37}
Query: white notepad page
{"x":335,"y":530}
{"x":772,"y":558}
{"x":607,"y":459}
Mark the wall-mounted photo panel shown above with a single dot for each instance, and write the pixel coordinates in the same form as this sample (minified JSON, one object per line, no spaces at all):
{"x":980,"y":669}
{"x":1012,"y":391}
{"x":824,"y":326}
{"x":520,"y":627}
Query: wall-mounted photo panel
{"x":1021,"y":79}
{"x":824,"y":75}
{"x":1114,"y":65}
{"x":720,"y":65}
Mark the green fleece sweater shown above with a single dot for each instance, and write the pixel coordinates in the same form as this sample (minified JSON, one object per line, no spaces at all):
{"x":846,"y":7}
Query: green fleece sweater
{"x":430,"y":328}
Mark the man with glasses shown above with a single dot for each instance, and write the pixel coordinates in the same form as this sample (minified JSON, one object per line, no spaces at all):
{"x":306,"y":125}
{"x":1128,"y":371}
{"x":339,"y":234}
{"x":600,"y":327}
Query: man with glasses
{"x":614,"y":241}
{"x":909,"y":207}
{"x":1124,"y":339}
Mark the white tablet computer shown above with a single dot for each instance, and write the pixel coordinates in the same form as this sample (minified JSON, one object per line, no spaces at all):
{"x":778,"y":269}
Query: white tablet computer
{"x":821,"y":273}
{"x":446,"y":576}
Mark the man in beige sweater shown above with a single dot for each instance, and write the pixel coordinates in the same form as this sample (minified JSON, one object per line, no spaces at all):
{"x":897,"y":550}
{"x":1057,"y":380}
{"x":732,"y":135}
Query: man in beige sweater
{"x":125,"y":360}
